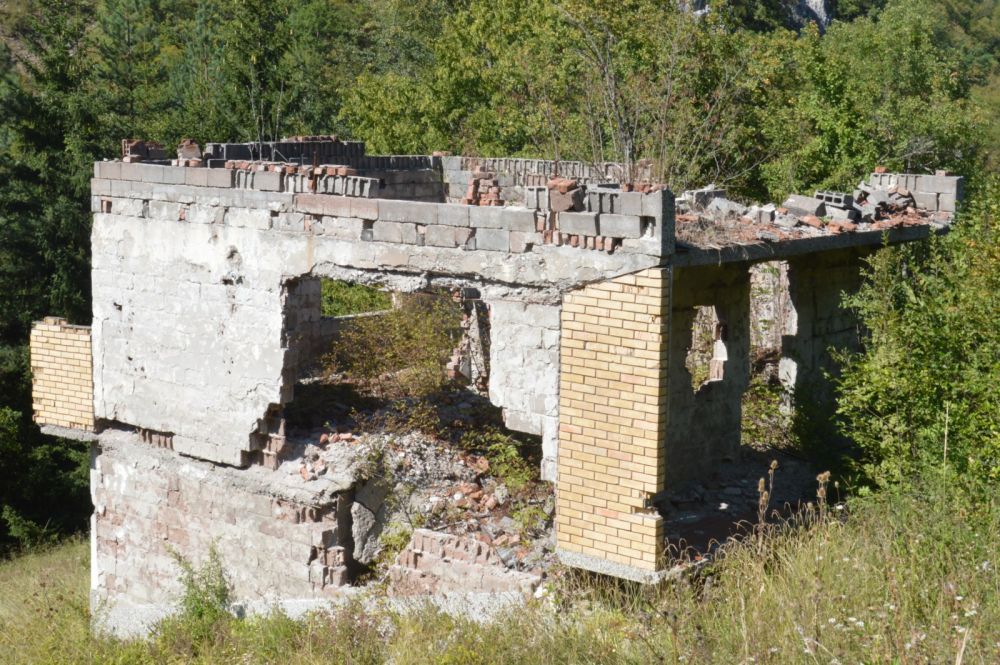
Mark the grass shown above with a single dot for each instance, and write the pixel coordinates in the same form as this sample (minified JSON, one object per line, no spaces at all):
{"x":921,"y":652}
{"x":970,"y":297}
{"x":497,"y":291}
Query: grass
{"x":911,"y":576}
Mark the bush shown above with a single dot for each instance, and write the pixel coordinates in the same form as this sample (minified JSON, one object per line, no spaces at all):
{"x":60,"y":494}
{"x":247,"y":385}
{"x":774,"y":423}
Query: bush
{"x":343,"y":298}
{"x":401,"y":353}
{"x":926,"y":389}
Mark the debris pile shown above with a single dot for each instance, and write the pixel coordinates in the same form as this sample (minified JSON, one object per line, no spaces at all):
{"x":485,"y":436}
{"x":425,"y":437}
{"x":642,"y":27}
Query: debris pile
{"x":483,"y":190}
{"x":707,"y":219}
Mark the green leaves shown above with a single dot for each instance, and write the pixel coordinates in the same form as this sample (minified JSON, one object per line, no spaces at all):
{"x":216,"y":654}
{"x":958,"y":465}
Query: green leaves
{"x":928,"y":378}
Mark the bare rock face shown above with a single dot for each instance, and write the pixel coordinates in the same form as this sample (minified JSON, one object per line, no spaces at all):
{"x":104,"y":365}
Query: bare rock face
{"x":436,"y":562}
{"x":809,"y":11}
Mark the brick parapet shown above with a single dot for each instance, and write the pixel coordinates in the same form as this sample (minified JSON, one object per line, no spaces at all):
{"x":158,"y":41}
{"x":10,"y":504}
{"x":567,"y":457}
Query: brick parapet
{"x":612,"y":420}
{"x":62,"y":375}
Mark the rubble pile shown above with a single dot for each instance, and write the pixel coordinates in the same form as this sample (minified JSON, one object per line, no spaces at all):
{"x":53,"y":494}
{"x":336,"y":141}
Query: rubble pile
{"x":707,"y":218}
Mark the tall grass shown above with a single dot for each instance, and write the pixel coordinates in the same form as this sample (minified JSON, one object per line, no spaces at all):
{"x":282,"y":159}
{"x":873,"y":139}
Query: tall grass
{"x":907,"y":577}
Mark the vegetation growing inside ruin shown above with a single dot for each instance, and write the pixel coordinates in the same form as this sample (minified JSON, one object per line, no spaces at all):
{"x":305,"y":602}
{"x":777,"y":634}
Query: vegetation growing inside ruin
{"x":910,"y":576}
{"x":341,"y":298}
{"x":401,"y":353}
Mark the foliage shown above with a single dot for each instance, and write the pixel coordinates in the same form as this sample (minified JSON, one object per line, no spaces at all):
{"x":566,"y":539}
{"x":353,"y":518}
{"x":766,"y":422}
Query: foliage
{"x":205,"y":601}
{"x":924,"y":392}
{"x":509,"y":463}
{"x":343,"y":298}
{"x":402,"y":352}
{"x":909,"y":576}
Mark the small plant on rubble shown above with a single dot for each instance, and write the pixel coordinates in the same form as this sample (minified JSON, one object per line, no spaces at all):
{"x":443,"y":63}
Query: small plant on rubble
{"x":505,"y":455}
{"x":205,"y":602}
{"x":402,"y":353}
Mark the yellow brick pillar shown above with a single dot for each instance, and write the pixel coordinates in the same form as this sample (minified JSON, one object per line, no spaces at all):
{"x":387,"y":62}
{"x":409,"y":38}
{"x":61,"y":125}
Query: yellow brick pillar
{"x":612,"y":422}
{"x":62,"y":375}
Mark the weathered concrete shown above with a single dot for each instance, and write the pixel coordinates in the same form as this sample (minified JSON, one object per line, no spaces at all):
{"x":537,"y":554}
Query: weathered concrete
{"x":276,"y":540}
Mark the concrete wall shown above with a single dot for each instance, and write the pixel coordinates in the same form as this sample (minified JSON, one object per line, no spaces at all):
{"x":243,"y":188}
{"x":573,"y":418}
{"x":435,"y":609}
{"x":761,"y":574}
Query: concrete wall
{"x":62,"y":377}
{"x":200,"y":327}
{"x":703,"y":425}
{"x":818,"y":323}
{"x":524,"y":371}
{"x":274,"y":542}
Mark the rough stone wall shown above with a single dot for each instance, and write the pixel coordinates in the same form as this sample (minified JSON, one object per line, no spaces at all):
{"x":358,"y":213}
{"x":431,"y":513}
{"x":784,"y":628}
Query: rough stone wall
{"x":612,"y":421}
{"x":524,"y":371}
{"x":703,"y":425}
{"x":62,"y":374}
{"x":148,"y":501}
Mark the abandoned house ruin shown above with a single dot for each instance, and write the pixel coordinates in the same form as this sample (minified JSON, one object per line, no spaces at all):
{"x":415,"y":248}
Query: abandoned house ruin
{"x":206,"y":313}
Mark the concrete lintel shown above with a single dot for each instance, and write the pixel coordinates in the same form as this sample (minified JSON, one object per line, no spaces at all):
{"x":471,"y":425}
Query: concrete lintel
{"x":694,"y":256}
{"x":68,"y":433}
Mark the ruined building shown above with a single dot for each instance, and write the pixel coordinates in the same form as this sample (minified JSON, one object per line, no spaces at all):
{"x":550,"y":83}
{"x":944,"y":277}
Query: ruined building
{"x":206,"y":313}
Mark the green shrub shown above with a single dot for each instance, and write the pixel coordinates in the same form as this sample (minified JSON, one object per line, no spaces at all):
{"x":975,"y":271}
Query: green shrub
{"x":402,"y":352}
{"x":926,"y":389}
{"x":508,"y":463}
{"x":343,"y":298}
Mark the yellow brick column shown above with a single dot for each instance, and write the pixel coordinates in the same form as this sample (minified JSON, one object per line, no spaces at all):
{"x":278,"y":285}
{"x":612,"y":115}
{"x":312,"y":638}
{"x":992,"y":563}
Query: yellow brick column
{"x":612,"y":422}
{"x":62,"y":375}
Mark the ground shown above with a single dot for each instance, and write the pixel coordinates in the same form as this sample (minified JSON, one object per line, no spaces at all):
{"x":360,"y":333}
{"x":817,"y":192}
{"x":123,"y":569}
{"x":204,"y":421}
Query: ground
{"x":904,"y":577}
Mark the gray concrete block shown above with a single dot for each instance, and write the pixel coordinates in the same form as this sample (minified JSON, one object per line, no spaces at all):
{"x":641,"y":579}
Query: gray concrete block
{"x":364,"y":208}
{"x":409,"y":235}
{"x":220,"y":177}
{"x":805,"y":205}
{"x":346,"y":228}
{"x":248,"y":218}
{"x":289,"y":221}
{"x":940,"y":184}
{"x":206,"y":214}
{"x":493,"y":240}
{"x":655,"y":204}
{"x":165,"y":210}
{"x":387,"y":232}
{"x":100,"y":187}
{"x":486,"y":217}
{"x":108,"y":170}
{"x":440,"y":236}
{"x":577,"y":223}
{"x":630,"y":203}
{"x":521,"y":242}
{"x":324,"y":204}
{"x":519,"y":219}
{"x":947,"y":202}
{"x":454,"y":214}
{"x":620,"y":226}
{"x":407,"y":211}
{"x":926,"y":200}
{"x":268,"y":181}
{"x":196,"y":177}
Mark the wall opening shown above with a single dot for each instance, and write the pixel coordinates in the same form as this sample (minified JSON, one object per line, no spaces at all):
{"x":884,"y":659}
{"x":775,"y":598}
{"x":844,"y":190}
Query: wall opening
{"x":707,"y":353}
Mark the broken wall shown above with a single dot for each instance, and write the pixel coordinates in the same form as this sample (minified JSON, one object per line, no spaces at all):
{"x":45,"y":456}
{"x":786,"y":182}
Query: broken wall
{"x":62,"y":376}
{"x":149,"y":504}
{"x":203,"y":315}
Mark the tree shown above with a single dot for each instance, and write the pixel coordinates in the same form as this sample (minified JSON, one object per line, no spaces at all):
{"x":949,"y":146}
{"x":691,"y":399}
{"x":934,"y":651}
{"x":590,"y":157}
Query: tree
{"x":924,"y":391}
